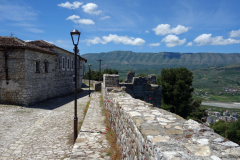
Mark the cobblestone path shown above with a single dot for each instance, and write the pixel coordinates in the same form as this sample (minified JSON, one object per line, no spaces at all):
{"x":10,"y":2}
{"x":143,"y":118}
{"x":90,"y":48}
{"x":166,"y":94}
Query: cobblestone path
{"x":42,"y":131}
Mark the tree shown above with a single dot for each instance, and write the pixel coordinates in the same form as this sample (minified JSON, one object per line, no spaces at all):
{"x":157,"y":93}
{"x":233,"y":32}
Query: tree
{"x":95,"y":74}
{"x":177,"y":93}
{"x":141,"y":75}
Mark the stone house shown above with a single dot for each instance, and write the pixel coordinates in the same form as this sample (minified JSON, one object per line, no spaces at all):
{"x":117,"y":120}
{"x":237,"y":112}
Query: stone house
{"x":35,"y":71}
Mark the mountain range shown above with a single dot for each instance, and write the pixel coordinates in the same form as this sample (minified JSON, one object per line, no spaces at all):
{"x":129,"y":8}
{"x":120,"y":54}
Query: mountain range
{"x":128,"y":60}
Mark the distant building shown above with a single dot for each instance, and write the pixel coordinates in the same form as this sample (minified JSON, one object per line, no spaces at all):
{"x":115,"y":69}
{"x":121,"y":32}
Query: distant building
{"x":217,"y":114}
{"x":35,"y":71}
{"x":211,"y":119}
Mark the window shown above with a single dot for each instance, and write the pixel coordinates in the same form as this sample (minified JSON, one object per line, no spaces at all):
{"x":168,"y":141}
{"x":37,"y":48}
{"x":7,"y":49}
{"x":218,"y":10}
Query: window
{"x":46,"y":67}
{"x":68,"y":63}
{"x":37,"y":66}
{"x":73,"y":78}
{"x":72,"y":63}
{"x":63,"y":63}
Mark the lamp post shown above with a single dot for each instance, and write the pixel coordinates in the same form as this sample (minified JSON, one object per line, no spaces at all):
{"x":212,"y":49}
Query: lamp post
{"x":89,"y":77}
{"x":75,"y":34}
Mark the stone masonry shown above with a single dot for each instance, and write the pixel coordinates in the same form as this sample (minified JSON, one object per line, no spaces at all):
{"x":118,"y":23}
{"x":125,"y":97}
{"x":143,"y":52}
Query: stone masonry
{"x":139,"y":88}
{"x":35,"y":71}
{"x":150,"y":133}
{"x":130,"y":76}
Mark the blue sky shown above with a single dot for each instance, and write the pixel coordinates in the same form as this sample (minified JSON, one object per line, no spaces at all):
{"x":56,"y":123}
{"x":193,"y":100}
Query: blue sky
{"x":132,"y":25}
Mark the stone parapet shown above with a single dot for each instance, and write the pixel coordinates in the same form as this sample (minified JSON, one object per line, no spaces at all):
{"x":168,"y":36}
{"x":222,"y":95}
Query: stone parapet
{"x":150,"y":133}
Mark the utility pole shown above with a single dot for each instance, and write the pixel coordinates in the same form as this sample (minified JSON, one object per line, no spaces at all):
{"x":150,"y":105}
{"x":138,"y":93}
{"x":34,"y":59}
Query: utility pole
{"x":99,"y":68}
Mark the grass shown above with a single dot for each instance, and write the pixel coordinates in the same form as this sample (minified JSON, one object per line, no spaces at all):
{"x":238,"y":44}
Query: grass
{"x":114,"y":151}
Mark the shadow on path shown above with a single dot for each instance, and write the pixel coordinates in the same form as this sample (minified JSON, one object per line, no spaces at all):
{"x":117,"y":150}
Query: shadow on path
{"x":60,"y":101}
{"x":54,"y":103}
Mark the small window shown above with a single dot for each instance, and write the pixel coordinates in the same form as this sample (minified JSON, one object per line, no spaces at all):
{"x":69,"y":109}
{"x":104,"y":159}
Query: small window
{"x":73,"y":78}
{"x":46,"y":67}
{"x":68,"y":63}
{"x":72,"y":63}
{"x":37,"y":66}
{"x":63,"y":63}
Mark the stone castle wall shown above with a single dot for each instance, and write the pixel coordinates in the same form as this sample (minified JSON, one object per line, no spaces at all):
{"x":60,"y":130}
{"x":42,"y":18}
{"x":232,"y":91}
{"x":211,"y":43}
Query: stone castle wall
{"x":139,"y":88}
{"x":26,"y":86}
{"x":150,"y":133}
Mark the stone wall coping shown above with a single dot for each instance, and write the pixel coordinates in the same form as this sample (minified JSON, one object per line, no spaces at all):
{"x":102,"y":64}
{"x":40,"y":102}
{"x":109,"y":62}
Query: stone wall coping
{"x":152,"y":133}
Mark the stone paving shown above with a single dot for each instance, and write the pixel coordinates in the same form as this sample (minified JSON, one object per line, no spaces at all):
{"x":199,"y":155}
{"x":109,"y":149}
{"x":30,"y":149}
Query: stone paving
{"x":41,"y":131}
{"x":91,"y":142}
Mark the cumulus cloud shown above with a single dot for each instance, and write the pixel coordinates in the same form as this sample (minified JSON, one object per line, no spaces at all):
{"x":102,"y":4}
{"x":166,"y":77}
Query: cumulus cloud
{"x":235,"y":33}
{"x":153,"y":44}
{"x":116,"y":39}
{"x":172,"y":40}
{"x":68,"y":5}
{"x":189,"y":44}
{"x":77,"y":19}
{"x":105,"y":17}
{"x":147,"y":31}
{"x":207,"y":39}
{"x":91,"y":8}
{"x":163,"y":29}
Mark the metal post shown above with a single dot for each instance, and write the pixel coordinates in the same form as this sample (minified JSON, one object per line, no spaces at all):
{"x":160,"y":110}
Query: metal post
{"x":99,"y":68}
{"x":89,"y":77}
{"x":75,"y":102}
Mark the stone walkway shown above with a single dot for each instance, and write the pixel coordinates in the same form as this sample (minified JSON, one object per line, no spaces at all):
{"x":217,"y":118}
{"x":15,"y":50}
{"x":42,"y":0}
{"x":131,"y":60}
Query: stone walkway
{"x":91,"y":142}
{"x":42,"y":131}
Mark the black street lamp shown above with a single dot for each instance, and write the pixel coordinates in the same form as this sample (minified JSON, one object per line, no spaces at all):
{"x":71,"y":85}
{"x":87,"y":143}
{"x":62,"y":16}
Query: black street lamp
{"x":89,"y":77}
{"x":75,"y":35}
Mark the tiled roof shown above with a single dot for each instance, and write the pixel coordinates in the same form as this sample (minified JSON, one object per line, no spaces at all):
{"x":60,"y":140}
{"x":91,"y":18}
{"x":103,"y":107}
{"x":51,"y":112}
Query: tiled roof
{"x":41,"y":43}
{"x":14,"y":42}
{"x":38,"y":45}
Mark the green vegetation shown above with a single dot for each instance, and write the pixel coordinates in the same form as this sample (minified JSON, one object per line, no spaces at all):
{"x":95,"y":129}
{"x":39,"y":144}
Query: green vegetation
{"x":217,"y":78}
{"x":95,"y":74}
{"x":229,"y":130}
{"x":177,"y":93}
{"x":141,"y":75}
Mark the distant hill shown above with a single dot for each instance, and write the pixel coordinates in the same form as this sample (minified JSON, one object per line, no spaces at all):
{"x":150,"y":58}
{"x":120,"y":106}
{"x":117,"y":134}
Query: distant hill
{"x":128,"y":60}
{"x":217,"y":77}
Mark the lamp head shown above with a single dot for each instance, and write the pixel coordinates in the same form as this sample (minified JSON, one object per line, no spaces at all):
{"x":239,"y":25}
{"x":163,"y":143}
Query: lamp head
{"x":75,"y":34}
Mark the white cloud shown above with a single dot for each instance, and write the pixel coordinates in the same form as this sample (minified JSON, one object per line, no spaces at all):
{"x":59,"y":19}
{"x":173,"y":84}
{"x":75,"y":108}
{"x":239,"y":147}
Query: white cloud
{"x":235,"y":33}
{"x":207,"y":39}
{"x":68,"y":5}
{"x":147,"y":31}
{"x":105,"y":17}
{"x":49,"y":41}
{"x":172,"y":40}
{"x":73,"y":17}
{"x":116,"y":39}
{"x":189,"y":44}
{"x":77,"y":19}
{"x":153,"y":44}
{"x":61,"y":41}
{"x":34,"y":30}
{"x":163,"y":29}
{"x":91,"y":8}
